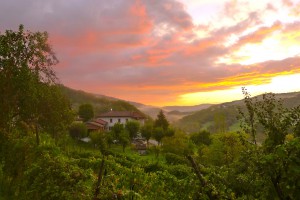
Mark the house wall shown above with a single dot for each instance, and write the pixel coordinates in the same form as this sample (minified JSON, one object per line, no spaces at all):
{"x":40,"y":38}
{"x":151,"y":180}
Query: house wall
{"x":111,"y":121}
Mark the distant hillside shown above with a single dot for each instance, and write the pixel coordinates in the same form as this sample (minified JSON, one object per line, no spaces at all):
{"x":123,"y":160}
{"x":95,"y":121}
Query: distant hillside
{"x":183,"y":109}
{"x":152,"y":111}
{"x":173,"y":113}
{"x":100,"y":103}
{"x":228,"y":112}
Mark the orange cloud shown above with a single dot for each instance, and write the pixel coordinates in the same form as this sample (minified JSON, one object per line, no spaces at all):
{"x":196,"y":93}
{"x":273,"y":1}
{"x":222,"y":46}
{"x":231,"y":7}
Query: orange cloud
{"x":259,"y":35}
{"x":152,"y":51}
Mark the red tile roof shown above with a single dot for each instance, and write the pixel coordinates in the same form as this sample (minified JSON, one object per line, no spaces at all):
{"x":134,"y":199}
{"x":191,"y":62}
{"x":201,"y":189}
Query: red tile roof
{"x":130,"y":114}
{"x":96,"y":124}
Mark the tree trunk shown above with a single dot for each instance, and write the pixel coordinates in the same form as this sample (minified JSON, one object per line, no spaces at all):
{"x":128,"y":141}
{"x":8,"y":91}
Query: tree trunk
{"x":201,"y":178}
{"x":197,"y":171}
{"x":277,"y":188}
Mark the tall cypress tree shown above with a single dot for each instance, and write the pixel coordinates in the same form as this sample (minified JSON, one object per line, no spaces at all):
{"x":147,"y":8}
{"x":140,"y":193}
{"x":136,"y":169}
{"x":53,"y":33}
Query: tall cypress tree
{"x":161,"y":121}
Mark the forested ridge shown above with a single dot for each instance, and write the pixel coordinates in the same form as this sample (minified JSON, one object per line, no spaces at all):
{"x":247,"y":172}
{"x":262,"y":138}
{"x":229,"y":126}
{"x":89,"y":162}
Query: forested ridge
{"x":208,"y":118}
{"x":41,"y":158}
{"x":100,"y":103}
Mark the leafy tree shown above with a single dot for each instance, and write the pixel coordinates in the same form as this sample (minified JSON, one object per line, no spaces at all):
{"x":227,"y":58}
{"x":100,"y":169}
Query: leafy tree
{"x":161,"y":121}
{"x":177,"y":144}
{"x":25,"y":63}
{"x":248,"y":121}
{"x":110,"y":138}
{"x":269,"y":112}
{"x":169,"y":132}
{"x":117,"y":129}
{"x":86,"y":111}
{"x":146,"y":131}
{"x":202,"y":137}
{"x":28,"y":93}
{"x":275,"y":158}
{"x":224,"y":149}
{"x":99,"y":139}
{"x":158,"y":134}
{"x":56,"y":111}
{"x":132,"y":127}
{"x":124,"y":139}
{"x":78,"y":130}
{"x":274,"y":118}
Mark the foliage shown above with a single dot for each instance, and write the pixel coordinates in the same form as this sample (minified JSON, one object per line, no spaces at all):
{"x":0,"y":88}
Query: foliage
{"x":109,"y":137}
{"x":78,"y":130}
{"x":117,"y":129}
{"x":177,"y":144}
{"x":101,"y":104}
{"x":161,"y":121}
{"x":174,"y":159}
{"x":270,"y":114}
{"x":57,"y":113}
{"x":169,"y":132}
{"x":28,"y":97}
{"x":124,"y":139}
{"x":86,"y":111}
{"x":201,"y":137}
{"x":248,"y":121}
{"x":61,"y":179}
{"x":224,"y":149}
{"x":132,"y":127}
{"x":146,"y":131}
{"x":99,"y":139}
{"x":211,"y":118}
{"x":274,"y":118}
{"x":158,"y":134}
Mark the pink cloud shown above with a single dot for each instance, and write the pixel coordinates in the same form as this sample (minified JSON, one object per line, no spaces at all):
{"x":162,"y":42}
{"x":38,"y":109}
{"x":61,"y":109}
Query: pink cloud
{"x":142,"y":49}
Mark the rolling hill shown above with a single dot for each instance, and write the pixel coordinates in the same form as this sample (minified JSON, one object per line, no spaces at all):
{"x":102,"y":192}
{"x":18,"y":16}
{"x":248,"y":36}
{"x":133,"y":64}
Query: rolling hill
{"x":226,"y":112}
{"x":188,"y":118}
{"x":172,"y":113}
{"x":185,"y":109}
{"x":100,"y":103}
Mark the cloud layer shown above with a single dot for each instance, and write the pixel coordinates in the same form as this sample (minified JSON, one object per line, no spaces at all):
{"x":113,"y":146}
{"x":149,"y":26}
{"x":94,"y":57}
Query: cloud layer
{"x":154,"y":51}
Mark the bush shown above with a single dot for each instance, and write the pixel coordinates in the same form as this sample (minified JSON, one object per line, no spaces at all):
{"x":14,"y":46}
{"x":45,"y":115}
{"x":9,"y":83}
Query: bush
{"x":78,"y":130}
{"x":57,"y":178}
{"x":174,"y":159}
{"x":180,"y":171}
{"x":153,"y":167}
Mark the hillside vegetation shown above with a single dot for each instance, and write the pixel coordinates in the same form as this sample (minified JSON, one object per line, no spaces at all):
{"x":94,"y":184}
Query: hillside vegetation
{"x":227,"y":114}
{"x":173,"y":113}
{"x":100,"y":103}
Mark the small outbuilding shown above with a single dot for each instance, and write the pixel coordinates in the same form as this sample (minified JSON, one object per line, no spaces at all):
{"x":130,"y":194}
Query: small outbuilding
{"x":96,"y":125}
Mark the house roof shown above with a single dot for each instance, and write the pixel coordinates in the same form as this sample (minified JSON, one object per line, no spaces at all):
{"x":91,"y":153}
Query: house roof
{"x":130,"y":114}
{"x":96,"y":124}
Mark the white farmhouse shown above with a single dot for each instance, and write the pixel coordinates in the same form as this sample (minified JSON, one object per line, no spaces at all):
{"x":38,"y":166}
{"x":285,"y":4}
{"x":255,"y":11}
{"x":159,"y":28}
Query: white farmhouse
{"x":121,"y":117}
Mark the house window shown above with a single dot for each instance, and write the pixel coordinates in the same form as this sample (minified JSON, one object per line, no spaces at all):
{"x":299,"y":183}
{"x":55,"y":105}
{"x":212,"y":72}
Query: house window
{"x":119,"y":120}
{"x":126,"y":120}
{"x":110,"y":120}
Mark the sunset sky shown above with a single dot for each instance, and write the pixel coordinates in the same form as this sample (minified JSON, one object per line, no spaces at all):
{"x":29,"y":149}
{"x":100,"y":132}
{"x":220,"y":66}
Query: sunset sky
{"x":168,"y":52}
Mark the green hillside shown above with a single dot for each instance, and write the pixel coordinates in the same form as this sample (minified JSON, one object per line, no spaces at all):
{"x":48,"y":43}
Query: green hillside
{"x":100,"y":103}
{"x":227,"y":114}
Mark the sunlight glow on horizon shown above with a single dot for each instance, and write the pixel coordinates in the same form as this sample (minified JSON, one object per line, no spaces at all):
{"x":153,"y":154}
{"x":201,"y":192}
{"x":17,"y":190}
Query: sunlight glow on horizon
{"x":278,"y":84}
